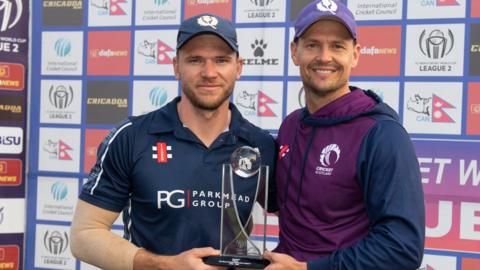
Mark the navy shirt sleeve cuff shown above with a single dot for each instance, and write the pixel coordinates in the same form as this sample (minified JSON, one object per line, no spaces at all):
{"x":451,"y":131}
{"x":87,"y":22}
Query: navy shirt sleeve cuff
{"x":319,"y":264}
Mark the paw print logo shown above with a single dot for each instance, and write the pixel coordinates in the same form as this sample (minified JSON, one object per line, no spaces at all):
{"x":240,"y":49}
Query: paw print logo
{"x":258,"y":48}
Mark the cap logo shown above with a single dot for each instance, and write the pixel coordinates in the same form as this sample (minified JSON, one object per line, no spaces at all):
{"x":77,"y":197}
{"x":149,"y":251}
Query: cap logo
{"x":208,"y":20}
{"x":327,"y":5}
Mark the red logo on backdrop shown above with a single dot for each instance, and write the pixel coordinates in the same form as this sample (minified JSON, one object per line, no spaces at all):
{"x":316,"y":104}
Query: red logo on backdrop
{"x":475,"y":8}
{"x":473,"y":111}
{"x":10,"y":172}
{"x":470,"y":264}
{"x":63,"y":150}
{"x":108,"y":53}
{"x":447,"y":3}
{"x":162,"y":57}
{"x":93,"y":138}
{"x":221,"y":8}
{"x":9,"y":257}
{"x":12,"y":76}
{"x":379,"y":51}
{"x":116,"y":9}
{"x":263,"y":101}
{"x":438,"y":113}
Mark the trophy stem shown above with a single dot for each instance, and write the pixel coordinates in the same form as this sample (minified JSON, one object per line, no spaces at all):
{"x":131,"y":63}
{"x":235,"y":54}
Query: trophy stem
{"x":243,"y":226}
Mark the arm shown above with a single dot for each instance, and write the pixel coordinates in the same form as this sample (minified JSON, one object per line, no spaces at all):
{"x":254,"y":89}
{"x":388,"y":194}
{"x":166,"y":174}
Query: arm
{"x":90,"y":232}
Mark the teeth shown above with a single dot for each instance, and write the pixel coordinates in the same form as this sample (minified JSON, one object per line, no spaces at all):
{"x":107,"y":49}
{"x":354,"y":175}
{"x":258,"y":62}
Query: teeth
{"x":324,"y":71}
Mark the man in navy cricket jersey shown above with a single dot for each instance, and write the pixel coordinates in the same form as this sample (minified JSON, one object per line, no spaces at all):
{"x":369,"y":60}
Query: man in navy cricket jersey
{"x":348,"y":180}
{"x":164,"y":169}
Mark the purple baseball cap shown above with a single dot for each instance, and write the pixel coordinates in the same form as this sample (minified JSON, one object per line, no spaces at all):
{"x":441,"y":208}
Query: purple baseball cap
{"x":325,"y":10}
{"x":207,"y":24}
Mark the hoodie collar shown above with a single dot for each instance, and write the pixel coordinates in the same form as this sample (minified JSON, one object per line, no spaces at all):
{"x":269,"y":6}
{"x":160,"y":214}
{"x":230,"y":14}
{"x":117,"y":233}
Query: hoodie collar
{"x":352,"y":105}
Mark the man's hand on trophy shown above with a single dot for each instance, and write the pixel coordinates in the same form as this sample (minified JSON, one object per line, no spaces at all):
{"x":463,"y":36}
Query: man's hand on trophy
{"x":192,"y":259}
{"x":279,"y":261}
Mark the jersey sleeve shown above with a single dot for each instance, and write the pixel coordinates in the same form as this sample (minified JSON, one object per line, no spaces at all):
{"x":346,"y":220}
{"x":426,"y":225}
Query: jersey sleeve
{"x":388,"y":172}
{"x":108,"y":183}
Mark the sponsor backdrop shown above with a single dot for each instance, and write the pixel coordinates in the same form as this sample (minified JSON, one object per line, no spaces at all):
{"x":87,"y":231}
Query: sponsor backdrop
{"x":14,"y":19}
{"x":96,"y":62}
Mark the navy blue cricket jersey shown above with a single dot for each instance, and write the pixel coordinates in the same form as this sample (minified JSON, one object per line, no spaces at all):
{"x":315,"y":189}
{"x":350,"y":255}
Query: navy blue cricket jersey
{"x":168,"y":183}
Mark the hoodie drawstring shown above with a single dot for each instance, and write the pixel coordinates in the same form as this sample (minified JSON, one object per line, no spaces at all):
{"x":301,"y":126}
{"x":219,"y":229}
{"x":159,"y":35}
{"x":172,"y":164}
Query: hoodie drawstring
{"x":302,"y":168}
{"x":289,"y":173}
{"x":304,"y":162}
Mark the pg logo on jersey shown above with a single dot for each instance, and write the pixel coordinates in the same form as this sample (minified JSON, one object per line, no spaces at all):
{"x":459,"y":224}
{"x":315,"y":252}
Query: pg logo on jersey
{"x":161,"y":152}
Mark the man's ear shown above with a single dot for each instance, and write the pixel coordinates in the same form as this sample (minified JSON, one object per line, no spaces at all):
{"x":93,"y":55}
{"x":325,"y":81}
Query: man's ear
{"x":239,"y":67}
{"x":356,"y":54}
{"x":293,"y":52}
{"x":175,"y":68}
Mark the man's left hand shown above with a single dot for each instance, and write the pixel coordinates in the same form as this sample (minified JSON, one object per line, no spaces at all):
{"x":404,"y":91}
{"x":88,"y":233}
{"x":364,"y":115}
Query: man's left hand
{"x":279,"y":261}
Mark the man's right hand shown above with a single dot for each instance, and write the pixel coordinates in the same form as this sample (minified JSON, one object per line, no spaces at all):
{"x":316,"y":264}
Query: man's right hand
{"x":187,"y":260}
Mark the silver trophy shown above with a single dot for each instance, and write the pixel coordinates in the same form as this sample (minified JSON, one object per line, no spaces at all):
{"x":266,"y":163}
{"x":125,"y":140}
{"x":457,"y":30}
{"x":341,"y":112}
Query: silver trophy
{"x":243,"y":227}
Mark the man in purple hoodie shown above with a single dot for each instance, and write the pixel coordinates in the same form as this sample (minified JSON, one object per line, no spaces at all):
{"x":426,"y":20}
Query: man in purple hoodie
{"x":348,"y":179}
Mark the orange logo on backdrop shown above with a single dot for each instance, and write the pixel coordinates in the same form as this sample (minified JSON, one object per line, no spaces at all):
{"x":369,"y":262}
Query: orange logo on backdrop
{"x":12,"y":76}
{"x":473,"y":109}
{"x":9,"y":257}
{"x":380,"y":51}
{"x":93,"y":138}
{"x":10,"y":172}
{"x":108,"y":53}
{"x":218,"y":7}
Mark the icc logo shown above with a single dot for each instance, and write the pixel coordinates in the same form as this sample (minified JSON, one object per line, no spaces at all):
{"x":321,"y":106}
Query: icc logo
{"x":60,"y":97}
{"x":55,"y":243}
{"x":437,"y":44}
{"x":157,"y":96}
{"x":261,"y":3}
{"x":9,"y":19}
{"x":160,"y":2}
{"x":63,"y":47}
{"x":59,"y":191}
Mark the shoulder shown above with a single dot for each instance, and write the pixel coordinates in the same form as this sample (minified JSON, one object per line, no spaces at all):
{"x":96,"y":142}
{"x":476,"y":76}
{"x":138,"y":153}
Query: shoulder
{"x":387,"y":130}
{"x":257,"y":135}
{"x":293,"y":116}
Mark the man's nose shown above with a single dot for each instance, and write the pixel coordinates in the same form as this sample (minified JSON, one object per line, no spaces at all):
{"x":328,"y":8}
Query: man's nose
{"x":324,"y":54}
{"x":209,"y":69}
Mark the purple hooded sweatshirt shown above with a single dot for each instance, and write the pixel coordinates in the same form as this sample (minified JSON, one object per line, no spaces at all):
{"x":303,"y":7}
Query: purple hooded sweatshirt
{"x":349,"y":189}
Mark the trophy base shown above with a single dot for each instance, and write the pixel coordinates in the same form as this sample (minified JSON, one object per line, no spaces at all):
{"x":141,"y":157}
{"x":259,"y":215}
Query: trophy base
{"x":242,"y":262}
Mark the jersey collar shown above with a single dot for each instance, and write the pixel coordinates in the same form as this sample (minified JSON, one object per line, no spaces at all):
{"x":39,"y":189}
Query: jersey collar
{"x":166,"y":120}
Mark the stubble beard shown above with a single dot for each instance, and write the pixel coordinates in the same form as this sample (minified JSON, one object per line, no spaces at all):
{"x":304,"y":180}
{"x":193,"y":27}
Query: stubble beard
{"x":207,"y":103}
{"x":325,"y":88}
